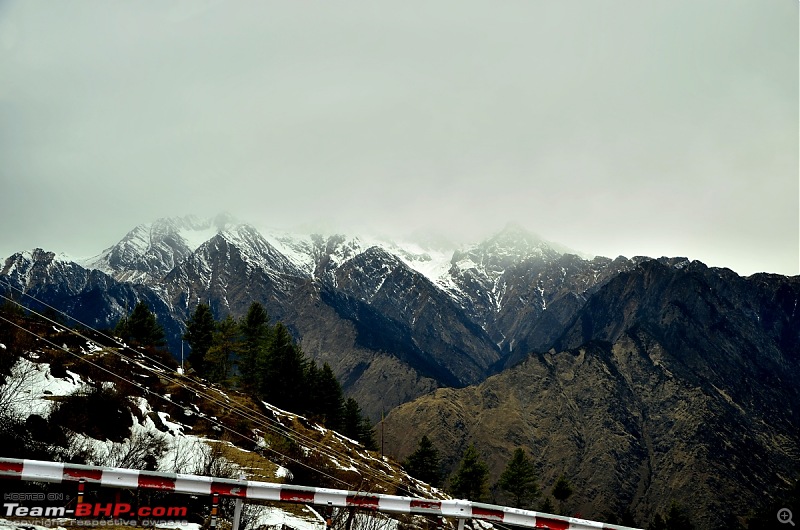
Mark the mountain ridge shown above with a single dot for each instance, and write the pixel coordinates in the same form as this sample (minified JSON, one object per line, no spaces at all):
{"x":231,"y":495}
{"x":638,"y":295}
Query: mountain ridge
{"x":469,"y":315}
{"x":647,"y":398}
{"x":680,"y":362}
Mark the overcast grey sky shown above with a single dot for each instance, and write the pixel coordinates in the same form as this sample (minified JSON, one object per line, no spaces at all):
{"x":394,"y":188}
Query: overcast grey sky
{"x":615,"y":127}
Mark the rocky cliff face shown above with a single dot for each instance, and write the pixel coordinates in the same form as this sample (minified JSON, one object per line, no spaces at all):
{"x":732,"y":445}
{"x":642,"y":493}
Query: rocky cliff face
{"x":644,"y":381}
{"x":436,"y":320}
{"x":90,"y":297}
{"x":673,"y":382}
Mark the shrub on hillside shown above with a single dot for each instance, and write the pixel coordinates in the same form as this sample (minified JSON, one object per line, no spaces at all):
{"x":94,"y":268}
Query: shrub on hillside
{"x":100,"y":412}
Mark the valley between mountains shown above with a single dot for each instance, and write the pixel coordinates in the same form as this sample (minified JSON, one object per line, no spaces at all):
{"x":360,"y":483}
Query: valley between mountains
{"x":645,"y":381}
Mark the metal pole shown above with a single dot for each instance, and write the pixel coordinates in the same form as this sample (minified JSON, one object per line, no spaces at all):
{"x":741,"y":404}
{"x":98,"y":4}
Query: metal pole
{"x":237,"y":510}
{"x":237,"y":513}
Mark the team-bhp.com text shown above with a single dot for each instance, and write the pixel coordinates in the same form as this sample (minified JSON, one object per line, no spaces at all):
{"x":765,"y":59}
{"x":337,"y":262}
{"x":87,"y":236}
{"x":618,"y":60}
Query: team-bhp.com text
{"x":84,"y":509}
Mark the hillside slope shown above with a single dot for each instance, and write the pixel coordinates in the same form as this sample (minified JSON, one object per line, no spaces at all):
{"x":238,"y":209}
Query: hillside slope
{"x":671,"y":384}
{"x":386,"y":315}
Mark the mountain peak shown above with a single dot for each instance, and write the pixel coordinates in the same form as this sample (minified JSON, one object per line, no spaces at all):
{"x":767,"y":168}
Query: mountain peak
{"x":516,"y":234}
{"x":511,"y":245}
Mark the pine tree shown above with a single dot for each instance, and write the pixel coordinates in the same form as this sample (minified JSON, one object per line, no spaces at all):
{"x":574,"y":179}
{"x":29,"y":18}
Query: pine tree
{"x":519,"y":479}
{"x":469,"y":482}
{"x":199,"y":334}
{"x":424,"y":463}
{"x":677,"y":518}
{"x":225,"y":343}
{"x":311,"y":403}
{"x":547,"y":505}
{"x":351,"y":419}
{"x":282,"y":381}
{"x":121,"y":329}
{"x":330,"y":400}
{"x":357,"y":426}
{"x":255,"y":341}
{"x":141,"y":327}
{"x":562,"y":490}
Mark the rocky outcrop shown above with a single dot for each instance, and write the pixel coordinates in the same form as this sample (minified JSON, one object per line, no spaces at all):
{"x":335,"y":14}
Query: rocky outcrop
{"x":674,"y":382}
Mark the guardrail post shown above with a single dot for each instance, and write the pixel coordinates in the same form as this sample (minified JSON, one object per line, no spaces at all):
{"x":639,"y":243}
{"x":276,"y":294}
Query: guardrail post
{"x":214,"y":506}
{"x":237,"y":510}
{"x":461,"y":524}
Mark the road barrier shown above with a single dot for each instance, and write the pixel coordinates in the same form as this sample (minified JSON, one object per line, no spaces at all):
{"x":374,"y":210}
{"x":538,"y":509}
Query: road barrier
{"x":43,"y":471}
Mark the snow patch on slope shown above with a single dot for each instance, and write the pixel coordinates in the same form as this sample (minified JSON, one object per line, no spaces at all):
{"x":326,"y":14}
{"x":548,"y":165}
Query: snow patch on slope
{"x":31,"y":385}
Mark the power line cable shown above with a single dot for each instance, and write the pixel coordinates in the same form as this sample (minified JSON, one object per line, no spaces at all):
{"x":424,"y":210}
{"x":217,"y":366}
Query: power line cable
{"x":257,"y":417}
{"x":245,"y":413}
{"x":168,"y":400}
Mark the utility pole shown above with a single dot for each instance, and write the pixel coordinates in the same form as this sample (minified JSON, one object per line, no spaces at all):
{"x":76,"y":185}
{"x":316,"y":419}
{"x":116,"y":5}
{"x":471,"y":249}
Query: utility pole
{"x":382,"y":418}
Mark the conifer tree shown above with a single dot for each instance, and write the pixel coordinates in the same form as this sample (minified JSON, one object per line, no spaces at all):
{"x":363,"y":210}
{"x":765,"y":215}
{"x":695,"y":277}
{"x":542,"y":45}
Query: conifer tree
{"x":547,"y":505}
{"x":311,"y":403}
{"x":356,"y":425}
{"x":282,"y":382}
{"x":677,"y":518}
{"x":519,"y":479}
{"x":255,"y":342}
{"x":424,"y":463}
{"x":366,"y":433}
{"x":225,"y":344}
{"x":330,"y":400}
{"x":351,"y":419}
{"x":562,"y":490}
{"x":121,"y":329}
{"x":469,"y":482}
{"x":141,"y":327}
{"x":199,"y":334}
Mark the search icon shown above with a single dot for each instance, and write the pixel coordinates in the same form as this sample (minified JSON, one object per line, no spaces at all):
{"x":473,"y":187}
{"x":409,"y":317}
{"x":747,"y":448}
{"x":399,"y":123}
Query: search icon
{"x":785,"y":516}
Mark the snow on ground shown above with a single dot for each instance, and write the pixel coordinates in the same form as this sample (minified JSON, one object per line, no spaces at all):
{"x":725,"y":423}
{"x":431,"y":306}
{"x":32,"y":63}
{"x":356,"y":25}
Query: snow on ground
{"x":91,"y":347}
{"x":339,"y":465}
{"x":280,"y":412}
{"x":186,"y":453}
{"x":174,"y":429}
{"x":30,"y":383}
{"x":275,"y":517}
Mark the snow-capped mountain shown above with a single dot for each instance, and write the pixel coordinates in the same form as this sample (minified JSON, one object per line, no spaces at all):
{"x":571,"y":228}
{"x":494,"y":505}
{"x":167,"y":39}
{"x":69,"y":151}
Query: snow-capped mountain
{"x":151,"y":250}
{"x":662,"y":344}
{"x":91,"y":297}
{"x":420,"y":314}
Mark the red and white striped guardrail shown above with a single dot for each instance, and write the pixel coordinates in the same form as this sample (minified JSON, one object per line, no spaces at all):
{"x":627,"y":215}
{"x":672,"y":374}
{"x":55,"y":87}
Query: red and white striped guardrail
{"x":42,"y":471}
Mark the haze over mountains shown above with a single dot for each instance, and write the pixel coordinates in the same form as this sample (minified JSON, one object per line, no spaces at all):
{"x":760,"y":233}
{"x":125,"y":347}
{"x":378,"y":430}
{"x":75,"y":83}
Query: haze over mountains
{"x":377,"y":311}
{"x":643,"y":380}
